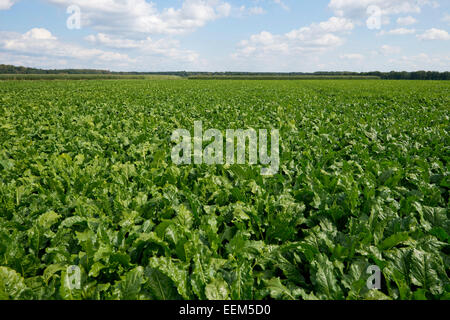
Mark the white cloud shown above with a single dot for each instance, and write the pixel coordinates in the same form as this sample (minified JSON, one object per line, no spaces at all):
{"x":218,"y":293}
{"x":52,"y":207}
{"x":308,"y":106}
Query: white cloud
{"x":33,"y":61}
{"x":422,"y":61}
{"x":39,"y":48}
{"x":222,"y":9}
{"x":317,"y":37}
{"x":397,"y":32}
{"x":108,"y":41}
{"x":335,"y":24}
{"x":256,"y":11}
{"x":140,"y":16}
{"x":282,"y":4}
{"x":39,"y":34}
{"x":434,"y":34}
{"x":163,"y":47}
{"x":332,"y":25}
{"x":40,"y":42}
{"x":357,"y":9}
{"x":406,"y":21}
{"x":390,"y":50}
{"x":352,"y":56}
{"x":7,"y":4}
{"x":244,"y":11}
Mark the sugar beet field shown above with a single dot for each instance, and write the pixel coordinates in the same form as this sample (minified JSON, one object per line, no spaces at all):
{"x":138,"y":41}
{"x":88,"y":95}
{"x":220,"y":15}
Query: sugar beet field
{"x":88,"y":187}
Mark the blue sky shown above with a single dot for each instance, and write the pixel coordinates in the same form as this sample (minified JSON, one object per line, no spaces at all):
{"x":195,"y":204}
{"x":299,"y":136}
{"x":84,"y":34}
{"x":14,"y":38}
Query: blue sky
{"x":227,"y":35}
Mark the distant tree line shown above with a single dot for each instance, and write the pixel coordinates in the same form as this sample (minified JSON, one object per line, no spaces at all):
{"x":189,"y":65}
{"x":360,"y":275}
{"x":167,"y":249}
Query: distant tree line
{"x":9,"y":69}
{"x":281,"y":77}
{"x":416,"y":75}
{"x":393,"y":75}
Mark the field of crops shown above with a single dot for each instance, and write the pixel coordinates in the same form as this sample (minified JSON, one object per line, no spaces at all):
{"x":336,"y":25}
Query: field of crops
{"x":86,"y":180}
{"x":281,"y":77}
{"x":88,"y":76}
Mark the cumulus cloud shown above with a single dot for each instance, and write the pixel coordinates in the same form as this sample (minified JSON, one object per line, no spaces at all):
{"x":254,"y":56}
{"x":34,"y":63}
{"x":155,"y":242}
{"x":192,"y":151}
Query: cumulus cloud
{"x":169,"y":48}
{"x":40,"y":48}
{"x":282,"y":4}
{"x":422,"y":61}
{"x":357,"y":9}
{"x":40,"y":42}
{"x":39,"y":34}
{"x":314,"y":38}
{"x":434,"y":34}
{"x":256,"y":11}
{"x":334,"y":24}
{"x":140,"y":16}
{"x":244,"y":11}
{"x":7,"y":4}
{"x":34,"y":61}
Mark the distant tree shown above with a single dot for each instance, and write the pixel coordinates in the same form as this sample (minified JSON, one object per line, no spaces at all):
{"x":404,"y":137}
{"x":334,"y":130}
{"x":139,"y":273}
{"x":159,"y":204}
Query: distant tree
{"x":395,"y":75}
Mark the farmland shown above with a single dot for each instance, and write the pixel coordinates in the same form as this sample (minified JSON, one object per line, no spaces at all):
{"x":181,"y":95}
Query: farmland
{"x":84,"y":77}
{"x":86,"y":180}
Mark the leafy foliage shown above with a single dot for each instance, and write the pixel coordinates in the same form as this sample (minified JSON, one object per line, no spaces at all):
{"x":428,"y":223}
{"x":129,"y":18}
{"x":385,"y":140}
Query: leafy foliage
{"x":86,"y":179}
